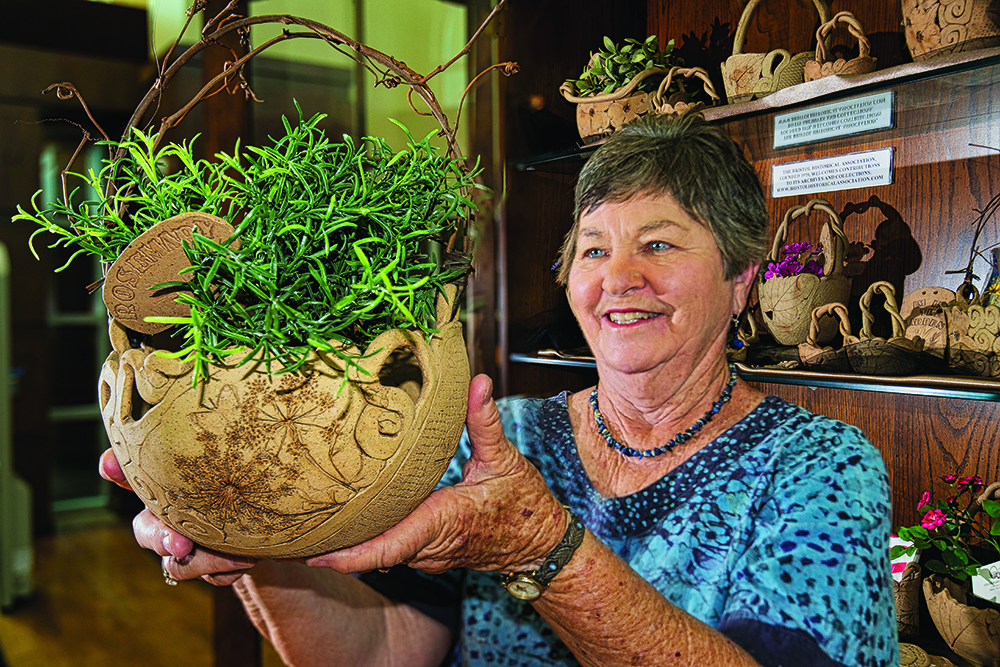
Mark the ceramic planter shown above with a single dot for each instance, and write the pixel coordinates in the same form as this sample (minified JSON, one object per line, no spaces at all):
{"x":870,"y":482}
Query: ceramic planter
{"x":941,"y":27}
{"x":748,"y":76}
{"x":787,"y":302}
{"x":971,"y":632}
{"x":288,"y":465}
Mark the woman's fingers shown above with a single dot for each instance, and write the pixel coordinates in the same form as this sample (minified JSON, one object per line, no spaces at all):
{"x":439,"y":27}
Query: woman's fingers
{"x":111,"y":471}
{"x":153,"y":534}
{"x":493,"y":518}
{"x":217,"y":569}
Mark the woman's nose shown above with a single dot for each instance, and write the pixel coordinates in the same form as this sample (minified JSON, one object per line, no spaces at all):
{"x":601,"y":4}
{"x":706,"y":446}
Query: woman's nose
{"x":622,"y":274}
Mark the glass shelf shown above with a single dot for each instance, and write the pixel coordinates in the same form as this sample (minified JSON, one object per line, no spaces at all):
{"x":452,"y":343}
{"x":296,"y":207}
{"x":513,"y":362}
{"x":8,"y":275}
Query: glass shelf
{"x":942,"y":386}
{"x":828,"y":88}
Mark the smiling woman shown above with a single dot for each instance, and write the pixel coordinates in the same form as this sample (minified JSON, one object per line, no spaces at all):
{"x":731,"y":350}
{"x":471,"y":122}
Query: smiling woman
{"x":670,"y":515}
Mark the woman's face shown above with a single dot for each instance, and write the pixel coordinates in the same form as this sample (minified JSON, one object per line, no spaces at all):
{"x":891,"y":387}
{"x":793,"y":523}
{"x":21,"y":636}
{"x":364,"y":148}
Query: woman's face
{"x":648,"y":286}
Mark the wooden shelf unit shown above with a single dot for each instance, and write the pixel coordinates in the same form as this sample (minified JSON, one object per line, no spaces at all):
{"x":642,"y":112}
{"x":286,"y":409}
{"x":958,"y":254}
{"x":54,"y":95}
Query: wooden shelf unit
{"x":912,"y":231}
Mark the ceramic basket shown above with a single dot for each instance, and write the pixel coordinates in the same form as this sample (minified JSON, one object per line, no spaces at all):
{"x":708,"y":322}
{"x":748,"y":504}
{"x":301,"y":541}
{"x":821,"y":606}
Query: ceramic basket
{"x":751,"y":75}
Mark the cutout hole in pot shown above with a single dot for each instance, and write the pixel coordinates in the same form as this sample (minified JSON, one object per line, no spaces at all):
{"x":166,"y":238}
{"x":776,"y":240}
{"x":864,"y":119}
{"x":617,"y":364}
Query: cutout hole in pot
{"x":402,"y":370}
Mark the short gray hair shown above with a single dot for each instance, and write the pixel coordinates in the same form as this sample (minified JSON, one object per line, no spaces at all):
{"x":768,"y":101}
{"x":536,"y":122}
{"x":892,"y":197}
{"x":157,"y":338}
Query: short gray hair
{"x":694,"y":162}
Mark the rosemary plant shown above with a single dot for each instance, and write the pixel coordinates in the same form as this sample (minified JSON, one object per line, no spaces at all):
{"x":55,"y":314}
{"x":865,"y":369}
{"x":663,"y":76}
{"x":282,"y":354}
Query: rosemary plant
{"x":337,"y":241}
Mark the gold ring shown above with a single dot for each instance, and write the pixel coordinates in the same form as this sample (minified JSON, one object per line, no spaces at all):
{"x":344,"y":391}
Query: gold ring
{"x":167,"y":579}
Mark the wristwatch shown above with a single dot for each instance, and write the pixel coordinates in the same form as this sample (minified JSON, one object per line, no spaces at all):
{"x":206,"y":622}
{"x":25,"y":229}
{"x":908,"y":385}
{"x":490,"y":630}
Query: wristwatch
{"x":530,"y":586}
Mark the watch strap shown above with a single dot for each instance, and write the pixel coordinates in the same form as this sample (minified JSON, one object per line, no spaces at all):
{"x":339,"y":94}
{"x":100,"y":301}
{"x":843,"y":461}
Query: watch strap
{"x":557,"y":559}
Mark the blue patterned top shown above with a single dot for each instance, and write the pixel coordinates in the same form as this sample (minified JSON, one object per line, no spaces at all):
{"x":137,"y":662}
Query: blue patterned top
{"x":776,"y":533}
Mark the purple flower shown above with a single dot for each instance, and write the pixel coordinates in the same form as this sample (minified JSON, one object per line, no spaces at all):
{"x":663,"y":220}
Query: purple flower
{"x":933,"y":519}
{"x":797,"y":248}
{"x":813,"y":267}
{"x":925,"y":499}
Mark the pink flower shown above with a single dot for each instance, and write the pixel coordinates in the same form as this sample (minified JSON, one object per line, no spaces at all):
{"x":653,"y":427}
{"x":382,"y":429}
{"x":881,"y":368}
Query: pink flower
{"x":933,"y":519}
{"x":925,"y":499}
{"x":949,"y":479}
{"x":973,"y":483}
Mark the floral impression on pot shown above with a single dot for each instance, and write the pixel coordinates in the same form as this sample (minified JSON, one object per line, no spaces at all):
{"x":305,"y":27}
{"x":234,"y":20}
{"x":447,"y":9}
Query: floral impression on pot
{"x":307,"y":384}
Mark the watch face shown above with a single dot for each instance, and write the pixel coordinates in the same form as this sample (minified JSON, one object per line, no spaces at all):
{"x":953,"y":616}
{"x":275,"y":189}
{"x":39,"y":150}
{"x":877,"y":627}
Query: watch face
{"x":524,"y":588}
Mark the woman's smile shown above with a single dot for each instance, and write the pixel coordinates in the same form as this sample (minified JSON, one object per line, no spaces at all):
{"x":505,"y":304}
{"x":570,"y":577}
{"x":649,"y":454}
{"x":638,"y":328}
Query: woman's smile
{"x":629,"y":317}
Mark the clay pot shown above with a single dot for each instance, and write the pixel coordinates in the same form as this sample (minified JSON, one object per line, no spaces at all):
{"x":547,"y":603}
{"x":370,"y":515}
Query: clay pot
{"x":821,"y":66}
{"x":941,"y":27}
{"x":907,"y":595}
{"x":748,"y":76}
{"x":971,"y":632}
{"x":295,"y":464}
{"x":787,"y":302}
{"x":874,"y":355}
{"x":598,"y":116}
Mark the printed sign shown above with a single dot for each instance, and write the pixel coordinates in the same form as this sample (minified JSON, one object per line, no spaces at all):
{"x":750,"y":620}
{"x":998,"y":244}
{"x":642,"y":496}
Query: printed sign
{"x":987,"y":584}
{"x":862,"y":114}
{"x":843,"y":172}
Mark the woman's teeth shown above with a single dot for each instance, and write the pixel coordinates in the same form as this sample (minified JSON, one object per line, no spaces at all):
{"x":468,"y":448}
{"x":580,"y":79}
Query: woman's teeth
{"x":629,"y":317}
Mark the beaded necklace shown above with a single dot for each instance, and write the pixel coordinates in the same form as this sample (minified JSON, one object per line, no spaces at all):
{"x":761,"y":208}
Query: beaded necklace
{"x":677,"y":439}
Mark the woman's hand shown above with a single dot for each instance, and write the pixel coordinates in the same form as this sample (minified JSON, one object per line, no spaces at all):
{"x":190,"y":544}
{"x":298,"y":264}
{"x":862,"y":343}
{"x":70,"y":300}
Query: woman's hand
{"x":501,"y":516}
{"x":182,"y":559}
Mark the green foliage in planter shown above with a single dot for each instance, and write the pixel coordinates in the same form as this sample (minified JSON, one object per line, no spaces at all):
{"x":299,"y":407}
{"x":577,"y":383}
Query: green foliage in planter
{"x":337,"y":241}
{"x":614,"y":66}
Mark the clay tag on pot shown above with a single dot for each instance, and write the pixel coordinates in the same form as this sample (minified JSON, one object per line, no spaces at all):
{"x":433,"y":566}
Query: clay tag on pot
{"x":156,"y":256}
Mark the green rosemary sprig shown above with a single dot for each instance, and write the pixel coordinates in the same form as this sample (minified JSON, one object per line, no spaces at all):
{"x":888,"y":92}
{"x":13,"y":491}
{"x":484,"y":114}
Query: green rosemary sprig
{"x":337,"y":241}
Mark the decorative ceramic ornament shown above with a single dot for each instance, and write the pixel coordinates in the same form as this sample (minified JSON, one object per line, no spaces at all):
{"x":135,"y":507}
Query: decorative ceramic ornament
{"x":941,"y":27}
{"x":751,"y":75}
{"x":821,"y":67}
{"x":291,"y":465}
{"x":787,"y":302}
{"x":971,"y":632}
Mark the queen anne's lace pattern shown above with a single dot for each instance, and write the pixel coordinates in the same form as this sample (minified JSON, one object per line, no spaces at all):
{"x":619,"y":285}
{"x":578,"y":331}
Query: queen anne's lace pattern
{"x":776,"y":534}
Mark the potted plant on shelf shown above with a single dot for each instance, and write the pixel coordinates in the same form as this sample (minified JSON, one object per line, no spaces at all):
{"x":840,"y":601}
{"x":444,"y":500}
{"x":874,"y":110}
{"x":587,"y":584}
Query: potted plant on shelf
{"x":957,"y":535}
{"x":625,"y":81}
{"x":318,"y":388}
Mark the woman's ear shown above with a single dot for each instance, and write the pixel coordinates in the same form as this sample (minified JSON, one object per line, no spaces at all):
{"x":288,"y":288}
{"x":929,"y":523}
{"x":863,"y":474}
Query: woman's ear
{"x":743,"y":282}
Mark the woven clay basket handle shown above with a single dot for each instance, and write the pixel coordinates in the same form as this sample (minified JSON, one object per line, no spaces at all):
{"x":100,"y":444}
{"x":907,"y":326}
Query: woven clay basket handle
{"x":839,"y":311}
{"x":741,"y":28}
{"x":568,"y":89}
{"x":832,"y":234}
{"x":867,"y":319}
{"x":662,"y":93}
{"x":853,"y":26}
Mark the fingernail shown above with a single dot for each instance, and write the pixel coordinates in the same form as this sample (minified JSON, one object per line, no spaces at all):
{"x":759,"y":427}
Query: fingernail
{"x":166,"y":544}
{"x":488,"y":394}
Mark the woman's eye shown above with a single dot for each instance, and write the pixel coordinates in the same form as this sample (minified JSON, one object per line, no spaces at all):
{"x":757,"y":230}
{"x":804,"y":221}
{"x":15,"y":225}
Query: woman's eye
{"x":659,"y":246}
{"x":592,"y":253}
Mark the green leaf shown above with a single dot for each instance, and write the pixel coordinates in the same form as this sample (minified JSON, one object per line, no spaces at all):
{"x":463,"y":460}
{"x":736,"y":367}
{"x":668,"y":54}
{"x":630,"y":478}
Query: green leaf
{"x":608,"y":44}
{"x":992,"y":508}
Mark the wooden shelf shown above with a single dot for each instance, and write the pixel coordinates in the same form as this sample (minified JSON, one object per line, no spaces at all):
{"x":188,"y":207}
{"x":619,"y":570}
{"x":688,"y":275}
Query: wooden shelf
{"x":942,"y":386}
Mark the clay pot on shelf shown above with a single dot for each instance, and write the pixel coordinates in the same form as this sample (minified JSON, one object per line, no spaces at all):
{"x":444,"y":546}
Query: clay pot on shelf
{"x":815,"y":357}
{"x":820,"y":66}
{"x":289,"y":465}
{"x":874,"y":355}
{"x":597,"y":116}
{"x":907,"y":595}
{"x":749,"y":76}
{"x":942,"y":27}
{"x":679,"y":102}
{"x":787,"y":302}
{"x":971,"y":632}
